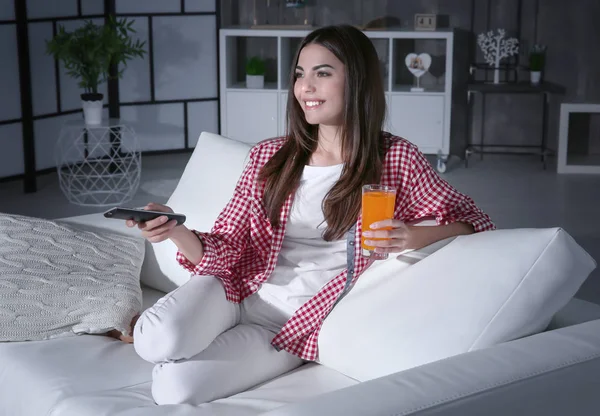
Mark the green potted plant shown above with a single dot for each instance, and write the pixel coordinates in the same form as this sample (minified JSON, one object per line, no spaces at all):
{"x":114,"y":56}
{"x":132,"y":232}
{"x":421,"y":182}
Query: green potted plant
{"x":255,"y":73}
{"x":88,"y":53}
{"x":537,"y":60}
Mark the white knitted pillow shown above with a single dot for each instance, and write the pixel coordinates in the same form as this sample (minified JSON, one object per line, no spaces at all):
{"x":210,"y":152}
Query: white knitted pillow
{"x":58,"y":281}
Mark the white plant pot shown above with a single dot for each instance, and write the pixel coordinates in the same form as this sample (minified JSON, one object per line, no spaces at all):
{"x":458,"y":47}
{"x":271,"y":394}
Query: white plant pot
{"x":92,"y":112}
{"x":255,"y":81}
{"x":496,"y":75}
{"x":535,"y":77}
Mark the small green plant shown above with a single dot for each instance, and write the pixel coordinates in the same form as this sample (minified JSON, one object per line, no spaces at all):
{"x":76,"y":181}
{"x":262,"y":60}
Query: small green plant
{"x":537,"y":58}
{"x":88,"y":52}
{"x":255,"y":66}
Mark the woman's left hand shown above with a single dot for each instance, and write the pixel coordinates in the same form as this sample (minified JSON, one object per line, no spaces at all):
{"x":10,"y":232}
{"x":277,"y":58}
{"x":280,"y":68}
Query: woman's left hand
{"x":401,"y":236}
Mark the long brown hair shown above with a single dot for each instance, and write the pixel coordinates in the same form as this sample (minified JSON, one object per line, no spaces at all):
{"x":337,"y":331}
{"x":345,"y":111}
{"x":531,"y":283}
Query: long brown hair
{"x":362,"y":146}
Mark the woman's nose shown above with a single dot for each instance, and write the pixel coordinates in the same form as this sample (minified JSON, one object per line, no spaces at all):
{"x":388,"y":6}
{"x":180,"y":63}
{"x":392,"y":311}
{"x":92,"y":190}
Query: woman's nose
{"x":307,"y":85}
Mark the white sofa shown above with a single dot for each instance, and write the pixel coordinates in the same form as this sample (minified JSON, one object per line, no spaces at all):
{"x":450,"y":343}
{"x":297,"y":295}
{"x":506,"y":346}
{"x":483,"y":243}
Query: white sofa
{"x":556,"y":372}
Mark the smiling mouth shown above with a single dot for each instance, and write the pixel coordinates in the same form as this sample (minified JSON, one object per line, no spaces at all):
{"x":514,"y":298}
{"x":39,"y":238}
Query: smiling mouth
{"x":311,"y":105}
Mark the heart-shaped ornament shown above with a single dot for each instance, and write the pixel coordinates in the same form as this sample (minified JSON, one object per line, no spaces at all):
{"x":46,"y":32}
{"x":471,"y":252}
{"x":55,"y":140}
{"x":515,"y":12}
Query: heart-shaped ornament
{"x":418,"y":64}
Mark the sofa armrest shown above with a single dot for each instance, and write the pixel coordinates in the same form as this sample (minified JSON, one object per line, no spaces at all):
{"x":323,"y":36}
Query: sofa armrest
{"x":551,"y":373}
{"x":97,"y":222}
{"x":577,"y":311}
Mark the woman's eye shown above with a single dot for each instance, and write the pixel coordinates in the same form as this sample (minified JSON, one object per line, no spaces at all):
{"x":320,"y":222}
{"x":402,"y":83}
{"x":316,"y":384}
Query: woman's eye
{"x":299,"y":75}
{"x":323,"y":74}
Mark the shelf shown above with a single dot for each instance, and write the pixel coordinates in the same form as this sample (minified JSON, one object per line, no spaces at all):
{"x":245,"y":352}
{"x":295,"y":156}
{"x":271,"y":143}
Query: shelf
{"x":382,"y":46}
{"x":435,"y":75}
{"x":301,"y":30}
{"x":583,"y":160}
{"x":516,"y":87}
{"x":289,"y":47}
{"x":240,"y":49}
{"x":405,"y":89}
{"x":241,"y":86}
{"x":578,"y":145}
{"x":264,"y":110}
{"x":583,"y":146}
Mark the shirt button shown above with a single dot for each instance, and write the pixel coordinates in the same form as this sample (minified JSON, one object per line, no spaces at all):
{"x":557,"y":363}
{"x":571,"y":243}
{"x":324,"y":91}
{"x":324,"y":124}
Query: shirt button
{"x":351,"y":243}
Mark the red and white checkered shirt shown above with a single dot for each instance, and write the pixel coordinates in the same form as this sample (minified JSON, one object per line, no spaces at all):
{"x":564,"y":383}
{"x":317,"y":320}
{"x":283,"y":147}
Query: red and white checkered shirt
{"x":242,"y":247}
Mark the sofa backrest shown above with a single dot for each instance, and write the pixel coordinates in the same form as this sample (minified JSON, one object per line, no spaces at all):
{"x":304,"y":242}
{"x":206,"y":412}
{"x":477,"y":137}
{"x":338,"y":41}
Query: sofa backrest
{"x":204,"y":189}
{"x":209,"y":179}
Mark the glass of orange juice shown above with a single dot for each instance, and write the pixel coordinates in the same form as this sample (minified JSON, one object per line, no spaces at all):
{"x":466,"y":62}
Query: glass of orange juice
{"x":378,"y":202}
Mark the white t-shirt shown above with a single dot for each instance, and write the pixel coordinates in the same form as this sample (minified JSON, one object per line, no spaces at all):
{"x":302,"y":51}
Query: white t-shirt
{"x":306,"y":261}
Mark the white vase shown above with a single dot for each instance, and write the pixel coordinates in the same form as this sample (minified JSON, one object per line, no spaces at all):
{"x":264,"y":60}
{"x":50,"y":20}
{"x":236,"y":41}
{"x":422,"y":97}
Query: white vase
{"x":92,"y":110}
{"x":496,"y":75}
{"x":255,"y":81}
{"x":497,"y":65}
{"x":535,"y":77}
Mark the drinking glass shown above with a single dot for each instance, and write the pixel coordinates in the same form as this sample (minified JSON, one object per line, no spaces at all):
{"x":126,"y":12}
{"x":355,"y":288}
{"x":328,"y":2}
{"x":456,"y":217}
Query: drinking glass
{"x":378,"y":203}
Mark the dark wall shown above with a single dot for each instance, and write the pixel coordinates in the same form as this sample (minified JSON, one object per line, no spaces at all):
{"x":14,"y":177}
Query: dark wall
{"x":570,"y":29}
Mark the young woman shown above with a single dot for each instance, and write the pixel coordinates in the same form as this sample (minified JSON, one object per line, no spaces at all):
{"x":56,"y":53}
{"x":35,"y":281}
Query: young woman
{"x":287,"y":245}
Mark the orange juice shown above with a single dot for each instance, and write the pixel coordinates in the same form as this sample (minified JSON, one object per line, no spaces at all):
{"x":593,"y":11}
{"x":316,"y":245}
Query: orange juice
{"x":377,"y":204}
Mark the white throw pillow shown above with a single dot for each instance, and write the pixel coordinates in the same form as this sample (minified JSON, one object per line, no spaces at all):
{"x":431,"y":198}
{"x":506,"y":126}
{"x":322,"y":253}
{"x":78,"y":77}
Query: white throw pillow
{"x":477,"y":291}
{"x":56,"y":280}
{"x":206,"y":186}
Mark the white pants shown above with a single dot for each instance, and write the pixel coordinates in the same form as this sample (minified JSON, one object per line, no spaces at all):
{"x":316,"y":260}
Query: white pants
{"x":207,"y":348}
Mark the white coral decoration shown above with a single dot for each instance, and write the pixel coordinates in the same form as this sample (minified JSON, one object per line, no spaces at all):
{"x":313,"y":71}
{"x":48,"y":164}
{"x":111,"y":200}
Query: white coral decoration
{"x":495,"y":48}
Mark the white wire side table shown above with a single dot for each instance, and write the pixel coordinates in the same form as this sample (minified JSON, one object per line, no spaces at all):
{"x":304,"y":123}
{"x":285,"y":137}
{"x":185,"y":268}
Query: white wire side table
{"x":98,"y":165}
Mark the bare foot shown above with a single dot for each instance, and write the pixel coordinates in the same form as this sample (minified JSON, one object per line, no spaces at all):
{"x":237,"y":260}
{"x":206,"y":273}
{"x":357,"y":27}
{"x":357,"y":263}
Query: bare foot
{"x":125,"y":338}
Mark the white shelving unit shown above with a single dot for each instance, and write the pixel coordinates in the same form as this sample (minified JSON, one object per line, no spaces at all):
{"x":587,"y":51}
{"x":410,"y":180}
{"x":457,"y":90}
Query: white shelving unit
{"x":428,"y":119}
{"x":575,"y":163}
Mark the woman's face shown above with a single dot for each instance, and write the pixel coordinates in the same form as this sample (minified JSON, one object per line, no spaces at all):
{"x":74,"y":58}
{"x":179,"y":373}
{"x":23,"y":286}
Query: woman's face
{"x":319,"y":87}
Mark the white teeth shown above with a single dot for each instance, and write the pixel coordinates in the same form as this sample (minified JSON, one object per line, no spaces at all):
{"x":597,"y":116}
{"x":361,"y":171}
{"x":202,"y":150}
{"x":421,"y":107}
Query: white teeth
{"x":314,"y":103}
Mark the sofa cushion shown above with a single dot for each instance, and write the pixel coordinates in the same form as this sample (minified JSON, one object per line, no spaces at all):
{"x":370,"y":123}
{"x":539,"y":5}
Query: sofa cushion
{"x":207,"y":184}
{"x":549,"y":374}
{"x":477,"y":291}
{"x":37,"y":375}
{"x":57,"y":280}
{"x":98,"y":375}
{"x":307,"y":381}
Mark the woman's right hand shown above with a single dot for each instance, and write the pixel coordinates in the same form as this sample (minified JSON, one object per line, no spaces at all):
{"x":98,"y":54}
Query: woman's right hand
{"x":156,"y":230}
